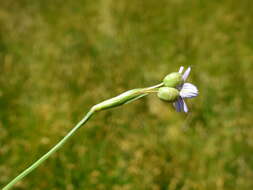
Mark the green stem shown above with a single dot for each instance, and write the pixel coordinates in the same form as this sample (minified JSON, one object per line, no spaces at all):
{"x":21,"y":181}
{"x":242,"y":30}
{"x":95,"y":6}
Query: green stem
{"x":51,"y":151}
{"x":121,"y":99}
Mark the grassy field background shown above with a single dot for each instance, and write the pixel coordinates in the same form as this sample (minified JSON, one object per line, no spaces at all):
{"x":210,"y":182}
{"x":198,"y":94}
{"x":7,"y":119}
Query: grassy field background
{"x":58,"y":58}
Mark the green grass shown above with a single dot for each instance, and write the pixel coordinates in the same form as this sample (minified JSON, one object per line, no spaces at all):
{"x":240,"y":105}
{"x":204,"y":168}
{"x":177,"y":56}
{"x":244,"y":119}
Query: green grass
{"x":57,"y":59}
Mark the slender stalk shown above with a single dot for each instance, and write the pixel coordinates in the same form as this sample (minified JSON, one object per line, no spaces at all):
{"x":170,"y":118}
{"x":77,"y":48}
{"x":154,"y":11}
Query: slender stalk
{"x":121,"y":99}
{"x":51,"y":151}
{"x":156,"y":86}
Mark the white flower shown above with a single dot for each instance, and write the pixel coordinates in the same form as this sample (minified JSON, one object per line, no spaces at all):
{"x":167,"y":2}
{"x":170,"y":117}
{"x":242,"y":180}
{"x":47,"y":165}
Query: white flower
{"x":186,"y":90}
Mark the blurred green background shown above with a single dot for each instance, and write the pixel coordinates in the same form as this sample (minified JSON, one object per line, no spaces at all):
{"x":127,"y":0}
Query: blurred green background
{"x":58,"y":58}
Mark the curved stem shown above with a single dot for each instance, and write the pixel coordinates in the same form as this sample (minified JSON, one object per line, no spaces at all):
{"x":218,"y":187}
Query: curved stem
{"x":51,"y":151}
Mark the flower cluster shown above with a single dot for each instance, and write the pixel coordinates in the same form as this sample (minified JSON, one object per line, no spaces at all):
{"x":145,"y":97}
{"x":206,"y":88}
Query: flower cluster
{"x":175,"y":89}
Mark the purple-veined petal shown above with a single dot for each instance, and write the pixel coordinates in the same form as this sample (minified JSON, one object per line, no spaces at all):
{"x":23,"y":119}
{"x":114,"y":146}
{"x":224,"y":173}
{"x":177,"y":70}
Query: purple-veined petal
{"x":181,"y":69}
{"x":188,"y":91}
{"x":186,"y":73}
{"x":179,"y":105}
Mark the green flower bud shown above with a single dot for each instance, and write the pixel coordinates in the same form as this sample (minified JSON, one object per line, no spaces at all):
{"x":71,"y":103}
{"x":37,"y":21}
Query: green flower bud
{"x":168,"y":94}
{"x":173,"y":79}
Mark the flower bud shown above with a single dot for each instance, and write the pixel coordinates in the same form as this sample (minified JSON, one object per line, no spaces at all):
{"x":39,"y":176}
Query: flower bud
{"x":168,"y":94}
{"x":173,"y":79}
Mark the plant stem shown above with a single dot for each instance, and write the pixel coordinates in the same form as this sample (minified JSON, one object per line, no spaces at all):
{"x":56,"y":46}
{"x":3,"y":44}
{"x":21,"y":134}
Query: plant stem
{"x":123,"y":98}
{"x":51,"y":151}
{"x":155,"y":86}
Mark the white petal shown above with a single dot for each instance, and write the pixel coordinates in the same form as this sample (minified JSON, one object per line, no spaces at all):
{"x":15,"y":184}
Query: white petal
{"x":188,"y":85}
{"x":179,"y":105}
{"x":186,"y":73}
{"x":188,"y":91}
{"x":181,"y":69}
{"x":185,"y":107}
